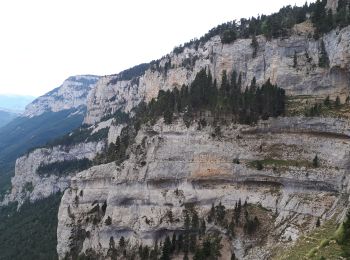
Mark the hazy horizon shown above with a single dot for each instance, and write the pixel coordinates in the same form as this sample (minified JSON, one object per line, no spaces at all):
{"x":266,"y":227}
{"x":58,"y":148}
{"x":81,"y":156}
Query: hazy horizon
{"x":15,"y":102}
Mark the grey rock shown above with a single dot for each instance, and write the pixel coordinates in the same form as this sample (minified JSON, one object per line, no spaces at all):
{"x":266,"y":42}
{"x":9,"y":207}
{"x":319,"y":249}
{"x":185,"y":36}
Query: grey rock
{"x":190,"y":166}
{"x":44,"y":186}
{"x":71,"y":94}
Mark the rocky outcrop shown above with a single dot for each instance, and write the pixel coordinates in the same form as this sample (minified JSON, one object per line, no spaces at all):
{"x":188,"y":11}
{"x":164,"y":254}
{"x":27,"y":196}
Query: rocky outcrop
{"x":332,"y":5}
{"x":71,"y":94}
{"x":28,"y":184}
{"x":172,"y":166}
{"x":274,"y":60}
{"x":114,"y":129}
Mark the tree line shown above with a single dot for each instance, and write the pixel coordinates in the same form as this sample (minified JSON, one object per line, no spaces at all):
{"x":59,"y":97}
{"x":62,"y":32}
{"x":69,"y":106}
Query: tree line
{"x":278,"y":24}
{"x":247,"y":105}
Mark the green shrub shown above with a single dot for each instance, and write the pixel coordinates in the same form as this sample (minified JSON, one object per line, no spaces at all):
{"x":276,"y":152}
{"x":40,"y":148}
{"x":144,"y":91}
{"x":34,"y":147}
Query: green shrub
{"x":63,"y":168}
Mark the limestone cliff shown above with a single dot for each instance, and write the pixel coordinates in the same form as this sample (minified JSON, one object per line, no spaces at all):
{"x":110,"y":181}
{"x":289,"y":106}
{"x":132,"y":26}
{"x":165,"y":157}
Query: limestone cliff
{"x":172,"y":166}
{"x":71,"y":94}
{"x":288,"y":171}
{"x":274,"y":60}
{"x":28,"y":184}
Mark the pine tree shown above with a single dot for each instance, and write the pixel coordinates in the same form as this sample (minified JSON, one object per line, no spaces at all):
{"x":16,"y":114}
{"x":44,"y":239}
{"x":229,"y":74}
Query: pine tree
{"x":231,"y":228}
{"x":108,"y":221}
{"x":233,"y":256}
{"x":193,"y":242}
{"x":122,"y":242}
{"x":168,"y":116}
{"x":329,"y":20}
{"x":202,"y":228}
{"x":111,"y":243}
{"x":255,"y":46}
{"x":211,"y":215}
{"x":323,"y":61}
{"x":259,"y":165}
{"x":337,"y":102}
{"x":195,"y":221}
{"x":145,"y":253}
{"x":154,"y":253}
{"x":187,"y":221}
{"x":173,"y":243}
{"x":319,"y":17}
{"x":318,"y":222}
{"x":315,"y":161}
{"x":186,"y":256}
{"x":180,"y":242}
{"x":166,"y":249}
{"x":295,"y":60}
{"x":327,"y":101}
{"x":220,"y":213}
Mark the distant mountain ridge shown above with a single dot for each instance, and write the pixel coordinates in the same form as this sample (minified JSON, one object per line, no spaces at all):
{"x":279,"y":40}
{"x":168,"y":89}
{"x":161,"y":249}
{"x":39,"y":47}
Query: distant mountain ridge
{"x":50,"y":116}
{"x":71,"y":94}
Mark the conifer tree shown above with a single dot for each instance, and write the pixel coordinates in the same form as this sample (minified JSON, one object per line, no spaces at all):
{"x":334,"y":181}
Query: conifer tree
{"x":255,"y":46}
{"x":315,"y":161}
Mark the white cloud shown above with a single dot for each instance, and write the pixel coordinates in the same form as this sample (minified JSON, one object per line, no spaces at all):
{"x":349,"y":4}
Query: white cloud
{"x":42,"y":42}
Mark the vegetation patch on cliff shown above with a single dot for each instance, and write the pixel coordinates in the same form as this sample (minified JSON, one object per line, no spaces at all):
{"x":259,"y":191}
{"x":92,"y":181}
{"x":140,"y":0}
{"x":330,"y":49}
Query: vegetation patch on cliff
{"x":63,"y":168}
{"x":279,"y":163}
{"x":80,"y":135}
{"x":328,"y":241}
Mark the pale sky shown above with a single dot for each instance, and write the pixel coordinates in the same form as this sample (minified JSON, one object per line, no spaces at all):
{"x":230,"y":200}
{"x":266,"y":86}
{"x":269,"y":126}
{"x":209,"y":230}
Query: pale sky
{"x":42,"y":42}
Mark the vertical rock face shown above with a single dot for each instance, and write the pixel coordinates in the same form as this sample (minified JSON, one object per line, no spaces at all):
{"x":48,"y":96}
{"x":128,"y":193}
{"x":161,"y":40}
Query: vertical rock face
{"x":174,"y":166}
{"x":71,"y":94}
{"x":28,"y":184}
{"x":274,"y":60}
{"x":332,"y":4}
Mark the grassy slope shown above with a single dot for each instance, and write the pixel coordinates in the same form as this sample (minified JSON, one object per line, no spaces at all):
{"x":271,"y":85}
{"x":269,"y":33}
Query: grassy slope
{"x":321,"y":242}
{"x":6,"y":117}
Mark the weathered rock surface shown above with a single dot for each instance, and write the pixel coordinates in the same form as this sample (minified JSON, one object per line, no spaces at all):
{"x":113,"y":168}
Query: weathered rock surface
{"x":27,"y":184}
{"x":172,"y":166}
{"x":71,"y":94}
{"x":274,"y":60}
{"x":114,"y":129}
{"x":332,"y":4}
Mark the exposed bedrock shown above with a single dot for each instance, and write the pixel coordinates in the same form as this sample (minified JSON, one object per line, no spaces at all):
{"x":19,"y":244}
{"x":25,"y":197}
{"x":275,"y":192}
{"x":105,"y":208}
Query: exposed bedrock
{"x":175,"y":166}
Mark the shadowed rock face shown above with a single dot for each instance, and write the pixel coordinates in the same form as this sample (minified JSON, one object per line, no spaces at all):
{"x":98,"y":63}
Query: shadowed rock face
{"x":274,"y":60}
{"x":190,"y":166}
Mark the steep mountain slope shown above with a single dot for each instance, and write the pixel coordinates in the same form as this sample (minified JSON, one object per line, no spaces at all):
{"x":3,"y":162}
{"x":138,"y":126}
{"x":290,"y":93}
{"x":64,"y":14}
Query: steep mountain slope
{"x":47,"y":117}
{"x":6,"y":116}
{"x":201,"y":146}
{"x":293,"y":169}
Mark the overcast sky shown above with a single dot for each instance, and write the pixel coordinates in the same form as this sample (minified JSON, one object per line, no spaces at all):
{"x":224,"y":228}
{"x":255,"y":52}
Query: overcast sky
{"x":42,"y":42}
